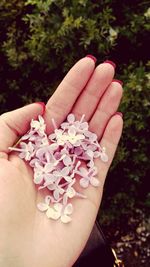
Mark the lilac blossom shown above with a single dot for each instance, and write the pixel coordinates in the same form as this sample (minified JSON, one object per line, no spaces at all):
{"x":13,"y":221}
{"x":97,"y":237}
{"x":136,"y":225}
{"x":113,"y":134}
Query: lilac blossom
{"x":44,"y":206}
{"x":63,"y":173}
{"x":103,"y":155}
{"x":57,"y":188}
{"x":70,"y":192}
{"x":57,"y":159}
{"x":60,"y":211}
{"x":42,"y":173}
{"x":36,"y":131}
{"x":27,"y":151}
{"x":38,"y":126}
{"x":46,"y":153}
{"x":88,"y":177}
{"x":74,"y":138}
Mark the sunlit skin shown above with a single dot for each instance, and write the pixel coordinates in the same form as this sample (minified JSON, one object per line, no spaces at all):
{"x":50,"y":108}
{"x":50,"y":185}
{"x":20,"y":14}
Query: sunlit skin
{"x":27,"y":236}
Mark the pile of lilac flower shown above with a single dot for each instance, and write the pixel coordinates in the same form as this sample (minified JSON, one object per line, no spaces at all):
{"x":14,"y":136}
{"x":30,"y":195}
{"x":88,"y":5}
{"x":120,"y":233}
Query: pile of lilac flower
{"x":60,"y":160}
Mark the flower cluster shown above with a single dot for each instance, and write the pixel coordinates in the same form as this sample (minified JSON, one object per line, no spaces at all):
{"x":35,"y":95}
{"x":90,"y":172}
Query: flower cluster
{"x":60,"y":160}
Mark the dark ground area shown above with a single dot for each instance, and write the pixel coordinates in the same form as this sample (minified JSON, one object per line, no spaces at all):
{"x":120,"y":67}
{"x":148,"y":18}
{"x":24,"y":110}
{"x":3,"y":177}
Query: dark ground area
{"x":131,"y":239}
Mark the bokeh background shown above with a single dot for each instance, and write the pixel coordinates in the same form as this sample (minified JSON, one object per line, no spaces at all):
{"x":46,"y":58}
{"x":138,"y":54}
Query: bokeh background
{"x":39,"y":41}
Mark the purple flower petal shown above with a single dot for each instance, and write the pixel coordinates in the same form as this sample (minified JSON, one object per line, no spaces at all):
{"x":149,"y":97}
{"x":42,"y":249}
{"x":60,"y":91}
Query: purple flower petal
{"x":48,"y":167}
{"x":56,"y":194}
{"x":67,"y":160}
{"x":68,"y":178}
{"x":51,"y":213}
{"x":38,"y":179}
{"x":65,"y":199}
{"x":92,"y":147}
{"x":71,"y":192}
{"x":48,"y":199}
{"x":71,"y":131}
{"x":65,"y":171}
{"x":49,"y":178}
{"x":68,"y":209}
{"x":65,"y":218}
{"x":84,"y":182}
{"x":87,"y":133}
{"x":84,"y":126}
{"x":58,"y":207}
{"x":42,"y":206}
{"x":97,"y":154}
{"x":90,"y":153}
{"x":94,"y":181}
{"x":51,"y":187}
{"x":93,"y":137}
{"x":52,"y":136}
{"x":65,"y":125}
{"x":78,"y":151}
{"x":71,"y":118}
{"x":33,"y":161}
{"x":83,"y":171}
{"x":104,"y":157}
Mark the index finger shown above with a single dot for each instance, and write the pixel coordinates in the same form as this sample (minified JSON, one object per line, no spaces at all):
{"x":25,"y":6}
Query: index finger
{"x":62,"y":101}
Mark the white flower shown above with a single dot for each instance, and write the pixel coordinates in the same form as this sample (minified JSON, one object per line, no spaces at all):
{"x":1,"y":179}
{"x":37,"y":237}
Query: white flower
{"x":74,"y":138}
{"x":42,"y":173}
{"x":45,"y":153}
{"x":70,"y":191}
{"x":70,"y":119}
{"x":58,"y":136}
{"x":55,"y":187}
{"x":88,"y":177}
{"x":45,"y":206}
{"x":63,"y":174}
{"x":27,"y":151}
{"x":103,"y":155}
{"x":60,"y":211}
{"x":38,"y":125}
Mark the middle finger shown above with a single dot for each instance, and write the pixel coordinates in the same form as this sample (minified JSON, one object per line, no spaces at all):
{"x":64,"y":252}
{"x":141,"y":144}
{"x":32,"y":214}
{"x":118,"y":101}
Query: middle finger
{"x":96,"y":86}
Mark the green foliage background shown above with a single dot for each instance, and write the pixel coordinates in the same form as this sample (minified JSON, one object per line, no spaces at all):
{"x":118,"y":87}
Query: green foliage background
{"x":41,"y":39}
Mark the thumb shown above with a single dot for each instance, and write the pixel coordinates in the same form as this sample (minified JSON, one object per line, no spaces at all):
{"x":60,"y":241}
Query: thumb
{"x":16,"y":123}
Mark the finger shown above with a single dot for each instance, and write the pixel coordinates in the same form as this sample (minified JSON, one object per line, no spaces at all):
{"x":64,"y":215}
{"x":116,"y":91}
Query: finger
{"x":16,"y":123}
{"x":107,"y":107}
{"x":88,"y":100}
{"x":110,"y":141}
{"x":62,"y":101}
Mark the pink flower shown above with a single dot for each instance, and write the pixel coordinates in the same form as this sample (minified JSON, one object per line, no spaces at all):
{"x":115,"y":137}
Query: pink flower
{"x":56,"y":160}
{"x":88,"y":177}
{"x":42,"y":173}
{"x":60,"y":211}
{"x":38,"y":126}
{"x":27,"y":151}
{"x":57,"y":188}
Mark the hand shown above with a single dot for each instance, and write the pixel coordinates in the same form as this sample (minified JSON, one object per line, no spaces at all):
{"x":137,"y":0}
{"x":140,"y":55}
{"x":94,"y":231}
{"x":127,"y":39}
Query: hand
{"x":27,"y":236}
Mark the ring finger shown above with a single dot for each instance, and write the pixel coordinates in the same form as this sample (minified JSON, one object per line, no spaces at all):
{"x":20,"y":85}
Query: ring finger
{"x":106,"y":108}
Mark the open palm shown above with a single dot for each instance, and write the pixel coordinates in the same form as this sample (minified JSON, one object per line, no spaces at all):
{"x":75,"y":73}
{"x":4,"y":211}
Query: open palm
{"x":27,"y":236}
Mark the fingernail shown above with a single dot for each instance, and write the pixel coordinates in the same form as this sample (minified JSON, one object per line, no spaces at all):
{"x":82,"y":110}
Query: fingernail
{"x":111,"y":63}
{"x":92,"y":57}
{"x":42,"y":104}
{"x":119,"y":113}
{"x":117,"y":81}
